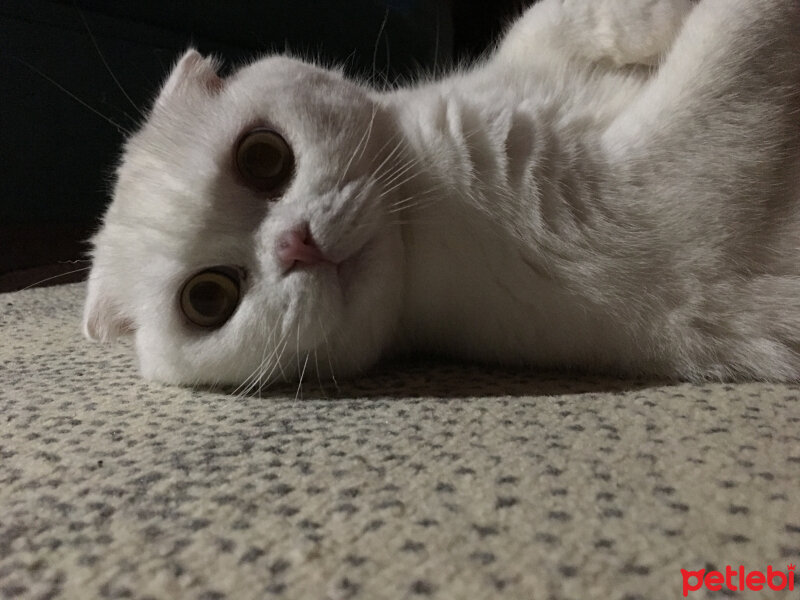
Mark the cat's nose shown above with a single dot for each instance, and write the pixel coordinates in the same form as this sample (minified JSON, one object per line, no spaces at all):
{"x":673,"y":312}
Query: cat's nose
{"x":296,"y":247}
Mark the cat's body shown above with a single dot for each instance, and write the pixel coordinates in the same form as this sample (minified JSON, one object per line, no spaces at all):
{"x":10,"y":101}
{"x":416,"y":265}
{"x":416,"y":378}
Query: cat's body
{"x":558,"y":205}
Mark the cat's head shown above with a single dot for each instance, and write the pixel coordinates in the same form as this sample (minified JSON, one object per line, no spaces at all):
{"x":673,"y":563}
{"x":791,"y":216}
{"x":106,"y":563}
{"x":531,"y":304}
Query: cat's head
{"x":250,"y":233}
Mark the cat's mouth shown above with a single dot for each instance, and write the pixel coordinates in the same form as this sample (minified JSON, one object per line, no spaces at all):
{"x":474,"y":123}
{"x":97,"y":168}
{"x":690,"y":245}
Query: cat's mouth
{"x":345,"y":270}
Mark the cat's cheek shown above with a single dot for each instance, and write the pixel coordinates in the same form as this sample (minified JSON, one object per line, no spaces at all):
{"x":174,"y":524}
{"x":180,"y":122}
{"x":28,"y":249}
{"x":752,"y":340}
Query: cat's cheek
{"x":158,"y":360}
{"x":151,"y":365}
{"x":373,"y":304}
{"x":166,"y":355}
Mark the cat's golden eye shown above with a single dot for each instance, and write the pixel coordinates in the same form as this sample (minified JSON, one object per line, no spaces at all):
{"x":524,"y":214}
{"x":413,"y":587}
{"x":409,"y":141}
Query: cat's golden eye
{"x":209,"y":298}
{"x":264,"y":160}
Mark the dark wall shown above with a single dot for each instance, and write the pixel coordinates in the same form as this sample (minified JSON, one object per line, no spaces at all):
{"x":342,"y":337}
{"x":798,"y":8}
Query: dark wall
{"x":63,"y":116}
{"x":51,"y":140}
{"x":476,"y":25}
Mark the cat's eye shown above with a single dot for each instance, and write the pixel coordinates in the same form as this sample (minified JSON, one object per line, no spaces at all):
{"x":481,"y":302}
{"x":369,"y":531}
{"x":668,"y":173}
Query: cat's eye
{"x":210,"y":297}
{"x":264,"y":160}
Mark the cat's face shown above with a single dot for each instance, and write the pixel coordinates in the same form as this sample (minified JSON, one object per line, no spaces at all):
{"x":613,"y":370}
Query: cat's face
{"x":250,"y":233}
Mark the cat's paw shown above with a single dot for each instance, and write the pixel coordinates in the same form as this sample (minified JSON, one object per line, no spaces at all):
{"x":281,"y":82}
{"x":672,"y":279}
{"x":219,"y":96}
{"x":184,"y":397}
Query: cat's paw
{"x":616,"y":32}
{"x":628,"y":32}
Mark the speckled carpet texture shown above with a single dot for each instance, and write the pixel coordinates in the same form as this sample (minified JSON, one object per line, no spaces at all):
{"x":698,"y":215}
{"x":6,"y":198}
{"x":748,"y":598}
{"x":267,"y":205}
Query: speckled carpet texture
{"x":445,"y":482}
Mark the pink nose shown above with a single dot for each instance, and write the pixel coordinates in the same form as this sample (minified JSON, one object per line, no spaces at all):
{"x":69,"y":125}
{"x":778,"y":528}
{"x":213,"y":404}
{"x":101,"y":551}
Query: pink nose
{"x":296,"y":247}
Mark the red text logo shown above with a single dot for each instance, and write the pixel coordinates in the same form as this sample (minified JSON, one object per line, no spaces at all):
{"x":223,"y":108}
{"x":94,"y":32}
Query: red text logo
{"x":738,"y":580}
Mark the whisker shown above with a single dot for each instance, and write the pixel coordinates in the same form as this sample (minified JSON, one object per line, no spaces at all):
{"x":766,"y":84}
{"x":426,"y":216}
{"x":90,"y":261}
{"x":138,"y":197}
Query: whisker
{"x":388,"y":191}
{"x":365,"y":140}
{"x":405,"y":207}
{"x":258,"y":371}
{"x":328,"y":353}
{"x":389,"y":157}
{"x":392,"y":138}
{"x":105,"y":63}
{"x":424,"y":194}
{"x":418,"y":222}
{"x":277,"y":365}
{"x":387,"y":176}
{"x":261,"y":367}
{"x":407,"y":160}
{"x":360,"y":148}
{"x":413,"y":201}
{"x":56,"y":277}
{"x":298,"y":395}
{"x":319,"y":377}
{"x":267,"y":373}
{"x":279,"y":362}
{"x":119,"y":127}
{"x":386,"y":182}
{"x":390,"y":178}
{"x":377,"y":43}
{"x":297,"y":348}
{"x":405,"y":200}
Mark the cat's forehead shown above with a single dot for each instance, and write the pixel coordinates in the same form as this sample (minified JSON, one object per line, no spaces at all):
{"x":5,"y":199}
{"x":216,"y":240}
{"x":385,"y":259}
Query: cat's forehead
{"x":199,"y":114}
{"x":286,"y":92}
{"x":186,"y":147}
{"x":285,"y":75}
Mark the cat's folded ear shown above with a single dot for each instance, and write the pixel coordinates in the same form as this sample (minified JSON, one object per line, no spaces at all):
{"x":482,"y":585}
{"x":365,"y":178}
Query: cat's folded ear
{"x":193,"y":71}
{"x":103,"y":316}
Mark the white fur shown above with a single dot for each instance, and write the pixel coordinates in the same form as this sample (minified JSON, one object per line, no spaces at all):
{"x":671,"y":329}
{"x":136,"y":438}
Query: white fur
{"x":564,"y":203}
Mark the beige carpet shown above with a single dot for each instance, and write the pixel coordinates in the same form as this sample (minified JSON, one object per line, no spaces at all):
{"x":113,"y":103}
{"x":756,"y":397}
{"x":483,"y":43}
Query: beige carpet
{"x":443,"y":482}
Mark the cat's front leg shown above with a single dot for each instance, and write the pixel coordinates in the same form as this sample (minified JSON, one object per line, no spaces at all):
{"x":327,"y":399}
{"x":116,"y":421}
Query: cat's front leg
{"x":615,"y":32}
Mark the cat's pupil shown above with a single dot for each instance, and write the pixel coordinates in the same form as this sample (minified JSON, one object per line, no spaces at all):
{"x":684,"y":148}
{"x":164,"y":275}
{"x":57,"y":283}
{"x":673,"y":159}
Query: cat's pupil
{"x":264,"y":160}
{"x":208,"y":298}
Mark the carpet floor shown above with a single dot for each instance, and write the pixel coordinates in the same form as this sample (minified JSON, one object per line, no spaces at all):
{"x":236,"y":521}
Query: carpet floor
{"x":443,"y":482}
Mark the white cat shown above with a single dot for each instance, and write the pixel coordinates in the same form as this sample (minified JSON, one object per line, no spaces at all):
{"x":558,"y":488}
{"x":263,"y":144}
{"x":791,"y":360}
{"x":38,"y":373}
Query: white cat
{"x":616,"y":188}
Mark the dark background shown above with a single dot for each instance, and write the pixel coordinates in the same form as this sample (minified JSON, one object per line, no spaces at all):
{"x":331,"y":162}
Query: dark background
{"x":58,"y":97}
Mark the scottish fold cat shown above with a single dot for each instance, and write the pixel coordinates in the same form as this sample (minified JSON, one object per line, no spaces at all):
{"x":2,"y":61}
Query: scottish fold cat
{"x":615,"y":188}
